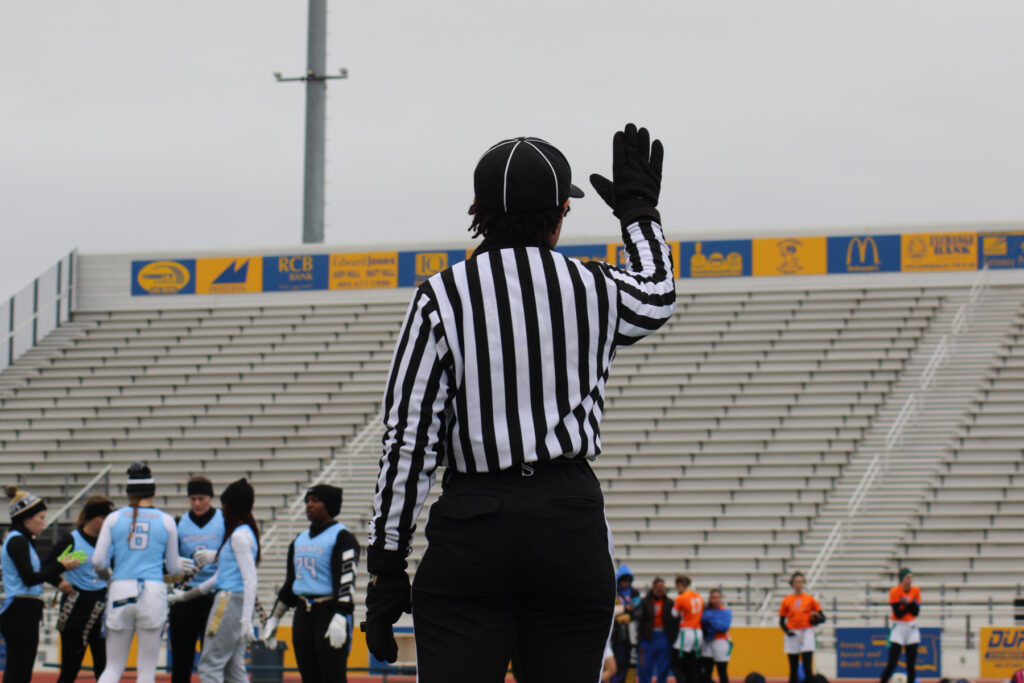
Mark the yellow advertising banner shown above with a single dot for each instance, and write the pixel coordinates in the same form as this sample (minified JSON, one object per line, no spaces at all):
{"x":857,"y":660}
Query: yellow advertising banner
{"x":1002,"y":651}
{"x":229,"y":275}
{"x":939,"y":251}
{"x":757,"y":648}
{"x":790,"y":256}
{"x":368,"y":270}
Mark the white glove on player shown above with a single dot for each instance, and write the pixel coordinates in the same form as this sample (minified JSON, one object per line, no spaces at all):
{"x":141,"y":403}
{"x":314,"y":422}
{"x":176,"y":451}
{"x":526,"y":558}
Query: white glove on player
{"x":181,"y":595}
{"x":248,"y":635}
{"x":269,"y":630}
{"x":188,"y":567}
{"x":204,"y":557}
{"x":337,"y":631}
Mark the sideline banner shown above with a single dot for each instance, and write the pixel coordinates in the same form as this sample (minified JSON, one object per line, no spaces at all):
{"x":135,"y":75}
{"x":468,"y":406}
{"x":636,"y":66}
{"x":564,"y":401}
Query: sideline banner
{"x":242,"y":275}
{"x":1002,"y":651}
{"x":715,"y":258}
{"x":1001,"y":250}
{"x":164,"y":276}
{"x":790,"y":256}
{"x":864,"y":652}
{"x":757,"y":648}
{"x":290,"y":273}
{"x":864,"y":254}
{"x":369,"y":270}
{"x":924,"y":252}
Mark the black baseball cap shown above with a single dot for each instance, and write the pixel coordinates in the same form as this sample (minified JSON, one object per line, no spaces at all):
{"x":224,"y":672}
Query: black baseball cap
{"x":521,"y":175}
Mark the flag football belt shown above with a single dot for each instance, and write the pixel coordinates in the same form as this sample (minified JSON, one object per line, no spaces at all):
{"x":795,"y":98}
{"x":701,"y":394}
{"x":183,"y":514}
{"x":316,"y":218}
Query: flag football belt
{"x":132,"y":599}
{"x":311,"y":601}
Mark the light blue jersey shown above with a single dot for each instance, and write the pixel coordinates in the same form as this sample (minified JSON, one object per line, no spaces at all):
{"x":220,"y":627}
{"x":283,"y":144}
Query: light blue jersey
{"x":139,"y":553}
{"x":84,"y":577}
{"x":229,"y":575}
{"x":192,"y":537}
{"x":13,"y":583}
{"x":312,"y":561}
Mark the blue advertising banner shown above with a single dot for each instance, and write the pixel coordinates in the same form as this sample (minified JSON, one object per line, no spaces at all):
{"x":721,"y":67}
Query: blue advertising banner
{"x":715,"y":258}
{"x":864,"y":254}
{"x":1001,"y":250}
{"x":414,"y":267}
{"x":584,"y":252}
{"x":164,"y":276}
{"x":305,"y":271}
{"x":863,"y":653}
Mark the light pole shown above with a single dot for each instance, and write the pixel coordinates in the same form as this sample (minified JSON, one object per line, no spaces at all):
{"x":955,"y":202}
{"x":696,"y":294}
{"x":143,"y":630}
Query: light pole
{"x":316,"y":114}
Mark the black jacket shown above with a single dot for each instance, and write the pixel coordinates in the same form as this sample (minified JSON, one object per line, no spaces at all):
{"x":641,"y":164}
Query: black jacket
{"x":645,"y":618}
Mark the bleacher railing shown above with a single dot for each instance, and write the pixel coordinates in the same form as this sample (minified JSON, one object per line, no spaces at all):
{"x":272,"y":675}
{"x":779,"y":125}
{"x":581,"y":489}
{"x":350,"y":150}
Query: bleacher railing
{"x":37,"y":309}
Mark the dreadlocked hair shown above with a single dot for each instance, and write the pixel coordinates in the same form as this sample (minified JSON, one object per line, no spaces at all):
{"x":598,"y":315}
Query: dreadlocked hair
{"x":528,"y":229}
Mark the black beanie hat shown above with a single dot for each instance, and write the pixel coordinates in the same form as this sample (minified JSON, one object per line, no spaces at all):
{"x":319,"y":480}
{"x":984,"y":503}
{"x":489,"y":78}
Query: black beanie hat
{"x":238,"y":496}
{"x":200,"y":487}
{"x":23,"y":503}
{"x":329,"y":495}
{"x":140,"y":481}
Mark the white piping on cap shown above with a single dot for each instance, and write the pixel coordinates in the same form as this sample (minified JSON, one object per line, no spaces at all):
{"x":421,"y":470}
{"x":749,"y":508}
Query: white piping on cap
{"x":504,"y":185}
{"x":548,"y":162}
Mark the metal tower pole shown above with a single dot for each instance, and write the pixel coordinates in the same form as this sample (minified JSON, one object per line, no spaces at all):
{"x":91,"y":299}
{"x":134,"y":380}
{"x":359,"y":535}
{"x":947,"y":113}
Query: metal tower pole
{"x":316,"y":115}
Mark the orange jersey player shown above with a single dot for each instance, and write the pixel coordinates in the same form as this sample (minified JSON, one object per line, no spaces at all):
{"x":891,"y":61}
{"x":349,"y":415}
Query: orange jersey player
{"x":688,"y":608}
{"x":905,"y":603}
{"x":798,"y":615}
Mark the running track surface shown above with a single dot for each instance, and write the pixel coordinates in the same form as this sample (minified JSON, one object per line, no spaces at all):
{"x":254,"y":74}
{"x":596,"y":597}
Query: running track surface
{"x":51,"y":677}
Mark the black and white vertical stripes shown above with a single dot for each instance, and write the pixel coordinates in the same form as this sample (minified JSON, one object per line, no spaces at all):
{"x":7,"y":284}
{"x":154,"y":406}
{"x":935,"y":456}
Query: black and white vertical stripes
{"x":503,"y":359}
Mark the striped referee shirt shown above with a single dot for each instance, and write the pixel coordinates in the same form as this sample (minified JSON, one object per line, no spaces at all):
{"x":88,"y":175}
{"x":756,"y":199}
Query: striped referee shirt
{"x":503,"y":359}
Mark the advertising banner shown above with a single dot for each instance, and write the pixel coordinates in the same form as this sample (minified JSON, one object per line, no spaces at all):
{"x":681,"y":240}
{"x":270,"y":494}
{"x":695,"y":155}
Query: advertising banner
{"x":414,"y":267}
{"x":585,"y":252}
{"x":757,"y":648}
{"x":166,"y":276}
{"x":368,"y":270}
{"x":615,"y":254}
{"x":939,"y":251}
{"x":864,"y":652}
{"x":305,"y":271}
{"x":242,"y":275}
{"x":1001,"y":250}
{"x":864,"y":254}
{"x":790,"y":256}
{"x":715,"y":258}
{"x":1002,"y":651}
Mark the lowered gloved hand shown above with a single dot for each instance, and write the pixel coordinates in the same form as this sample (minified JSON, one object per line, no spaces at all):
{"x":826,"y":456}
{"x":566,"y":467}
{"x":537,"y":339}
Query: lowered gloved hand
{"x":248,"y":634}
{"x":387,"y":597}
{"x":337,"y":631}
{"x":269,"y":631}
{"x":204,"y":557}
{"x":188,"y":567}
{"x":633,"y":191}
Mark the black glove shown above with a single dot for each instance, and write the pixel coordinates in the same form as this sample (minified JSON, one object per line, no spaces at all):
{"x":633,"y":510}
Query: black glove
{"x":782,"y":625}
{"x":817,"y":618}
{"x":387,"y":597}
{"x":636,"y":176}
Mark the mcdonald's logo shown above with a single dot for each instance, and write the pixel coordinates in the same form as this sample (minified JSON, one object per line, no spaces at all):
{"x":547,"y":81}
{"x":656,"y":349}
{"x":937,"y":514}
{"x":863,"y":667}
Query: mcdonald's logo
{"x":862,"y":245}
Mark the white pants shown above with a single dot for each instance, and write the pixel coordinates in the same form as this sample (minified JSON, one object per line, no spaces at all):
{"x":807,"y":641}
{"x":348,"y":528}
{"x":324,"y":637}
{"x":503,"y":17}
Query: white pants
{"x":132,"y":604}
{"x":119,"y":644}
{"x":690,"y":640}
{"x":905,"y":633}
{"x":718,"y":650}
{"x":802,"y":640}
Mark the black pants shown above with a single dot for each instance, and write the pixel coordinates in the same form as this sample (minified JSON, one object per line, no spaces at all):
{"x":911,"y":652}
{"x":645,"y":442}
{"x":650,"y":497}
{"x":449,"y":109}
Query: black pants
{"x":187,"y":625}
{"x":318,"y":661}
{"x":685,"y":668}
{"x":894,"y":660}
{"x":19,"y":625}
{"x":83,"y":628}
{"x":707,"y":669}
{"x":517,"y":567}
{"x":794,"y":664}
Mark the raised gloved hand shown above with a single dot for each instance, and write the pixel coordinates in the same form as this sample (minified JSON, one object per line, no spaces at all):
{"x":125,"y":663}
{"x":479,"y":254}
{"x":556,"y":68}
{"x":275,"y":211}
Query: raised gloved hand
{"x":269,"y":631}
{"x":337,"y":631}
{"x":204,"y":557}
{"x":387,"y":597}
{"x":248,"y":635}
{"x":635,"y":186}
{"x":188,"y":567}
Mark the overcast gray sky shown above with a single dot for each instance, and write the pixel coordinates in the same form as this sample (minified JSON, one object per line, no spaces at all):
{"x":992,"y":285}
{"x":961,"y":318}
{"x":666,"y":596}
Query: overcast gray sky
{"x":128,"y":125}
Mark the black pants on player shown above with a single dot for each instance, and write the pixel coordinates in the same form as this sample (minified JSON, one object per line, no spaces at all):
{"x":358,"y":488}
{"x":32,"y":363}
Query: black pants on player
{"x":517,"y":567}
{"x":187,"y":625}
{"x":707,"y":669}
{"x":83,"y":628}
{"x":685,"y":668}
{"x":894,"y":660}
{"x":318,"y":661}
{"x":19,"y":625}
{"x":794,"y":665}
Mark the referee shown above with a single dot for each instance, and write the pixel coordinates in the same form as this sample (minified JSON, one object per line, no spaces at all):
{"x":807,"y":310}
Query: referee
{"x":499,"y":375}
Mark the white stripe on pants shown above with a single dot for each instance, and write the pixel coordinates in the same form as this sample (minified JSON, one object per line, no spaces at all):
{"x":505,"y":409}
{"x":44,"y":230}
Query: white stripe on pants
{"x":223,"y":656}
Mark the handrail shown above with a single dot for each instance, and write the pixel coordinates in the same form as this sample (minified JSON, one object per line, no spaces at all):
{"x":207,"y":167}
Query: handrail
{"x":78,"y":496}
{"x":64,"y":290}
{"x":827,"y":549}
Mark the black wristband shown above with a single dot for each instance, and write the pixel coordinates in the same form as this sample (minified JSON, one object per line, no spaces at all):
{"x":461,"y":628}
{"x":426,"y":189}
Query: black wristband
{"x":385,"y":562}
{"x":632,"y":210}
